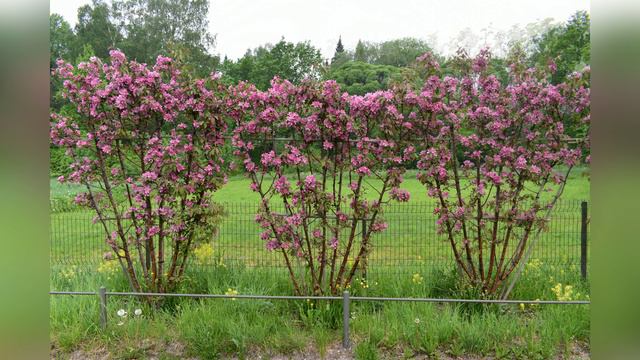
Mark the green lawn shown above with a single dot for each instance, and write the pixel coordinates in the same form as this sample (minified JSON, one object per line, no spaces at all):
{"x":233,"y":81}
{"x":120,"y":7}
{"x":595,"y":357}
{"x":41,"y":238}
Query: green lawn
{"x":237,"y":189}
{"x":410,"y":241}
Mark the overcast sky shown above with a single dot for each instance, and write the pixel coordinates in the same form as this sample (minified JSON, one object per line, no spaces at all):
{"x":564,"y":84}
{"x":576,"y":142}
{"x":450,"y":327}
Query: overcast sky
{"x":242,"y":24}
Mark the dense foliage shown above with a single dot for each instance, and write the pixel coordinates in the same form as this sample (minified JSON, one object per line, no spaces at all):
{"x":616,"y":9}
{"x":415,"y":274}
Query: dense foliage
{"x":294,"y":62}
{"x":398,"y":52}
{"x":568,"y":45}
{"x":359,"y":78}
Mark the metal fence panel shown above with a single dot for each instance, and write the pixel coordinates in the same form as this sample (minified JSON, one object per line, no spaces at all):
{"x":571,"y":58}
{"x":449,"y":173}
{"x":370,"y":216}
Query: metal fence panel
{"x":410,"y":242}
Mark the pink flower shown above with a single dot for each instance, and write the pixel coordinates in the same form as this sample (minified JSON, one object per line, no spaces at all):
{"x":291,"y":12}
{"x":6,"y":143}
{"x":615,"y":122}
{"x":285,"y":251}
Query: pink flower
{"x":379,"y":226}
{"x":521,"y":163}
{"x":272,"y":245}
{"x":149,"y":176}
{"x":400,"y":195}
{"x":268,"y":158}
{"x":254,"y":187}
{"x":363,"y":170}
{"x":310,"y":182}
{"x":534,"y":170}
{"x":282,"y":185}
{"x":295,"y":157}
{"x":493,"y":176}
{"x":294,"y":220}
{"x":442,"y":173}
{"x":153,"y":230}
{"x":249,"y":165}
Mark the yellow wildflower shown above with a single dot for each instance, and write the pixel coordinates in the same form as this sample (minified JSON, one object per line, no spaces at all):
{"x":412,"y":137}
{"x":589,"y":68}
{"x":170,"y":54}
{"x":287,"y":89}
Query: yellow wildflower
{"x":108,"y":268}
{"x":417,"y":278}
{"x":563,"y":293}
{"x":533,"y":265}
{"x":364,"y":284}
{"x":203,"y":253}
{"x":69,"y":273}
{"x":231,"y":292}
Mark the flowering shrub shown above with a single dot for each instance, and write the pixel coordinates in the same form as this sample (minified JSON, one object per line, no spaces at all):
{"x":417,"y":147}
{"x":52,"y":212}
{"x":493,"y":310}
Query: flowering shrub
{"x":319,"y":152}
{"x":489,"y":153}
{"x":146,"y":144}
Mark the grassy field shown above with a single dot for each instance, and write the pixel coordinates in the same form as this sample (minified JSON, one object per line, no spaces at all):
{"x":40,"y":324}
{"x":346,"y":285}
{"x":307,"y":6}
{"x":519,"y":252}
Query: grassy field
{"x":220,"y":329}
{"x":237,"y":189}
{"x":410,"y":240}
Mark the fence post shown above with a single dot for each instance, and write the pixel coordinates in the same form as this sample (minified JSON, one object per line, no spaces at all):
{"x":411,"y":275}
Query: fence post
{"x":583,"y":241}
{"x":102,"y":293}
{"x":345,"y":319}
{"x":364,"y":264}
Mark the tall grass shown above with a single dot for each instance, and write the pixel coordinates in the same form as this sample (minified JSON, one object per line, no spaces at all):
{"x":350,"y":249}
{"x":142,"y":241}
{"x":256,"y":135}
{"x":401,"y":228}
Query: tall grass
{"x":219,"y":328}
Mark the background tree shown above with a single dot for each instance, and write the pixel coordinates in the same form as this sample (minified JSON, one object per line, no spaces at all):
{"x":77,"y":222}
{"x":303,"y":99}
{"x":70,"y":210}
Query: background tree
{"x":358,"y":78}
{"x":286,"y":60}
{"x":400,"y":52}
{"x":167,"y":27}
{"x":360,"y":52}
{"x":340,"y":56}
{"x":62,"y":40}
{"x":96,"y":27}
{"x":568,"y":45}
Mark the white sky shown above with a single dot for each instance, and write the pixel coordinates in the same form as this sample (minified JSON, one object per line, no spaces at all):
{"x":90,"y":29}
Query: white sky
{"x":242,"y":24}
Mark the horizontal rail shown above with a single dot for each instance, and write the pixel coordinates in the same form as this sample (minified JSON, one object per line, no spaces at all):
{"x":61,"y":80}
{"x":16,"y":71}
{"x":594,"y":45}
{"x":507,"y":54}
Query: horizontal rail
{"x":353,"y":298}
{"x":72,"y":293}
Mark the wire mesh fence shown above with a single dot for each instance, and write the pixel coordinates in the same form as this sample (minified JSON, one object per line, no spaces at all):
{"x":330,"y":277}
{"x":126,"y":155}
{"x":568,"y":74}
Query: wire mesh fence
{"x":410,"y":241}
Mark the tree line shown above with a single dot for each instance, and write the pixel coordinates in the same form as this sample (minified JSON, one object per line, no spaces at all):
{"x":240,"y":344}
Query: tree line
{"x":144,"y":29}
